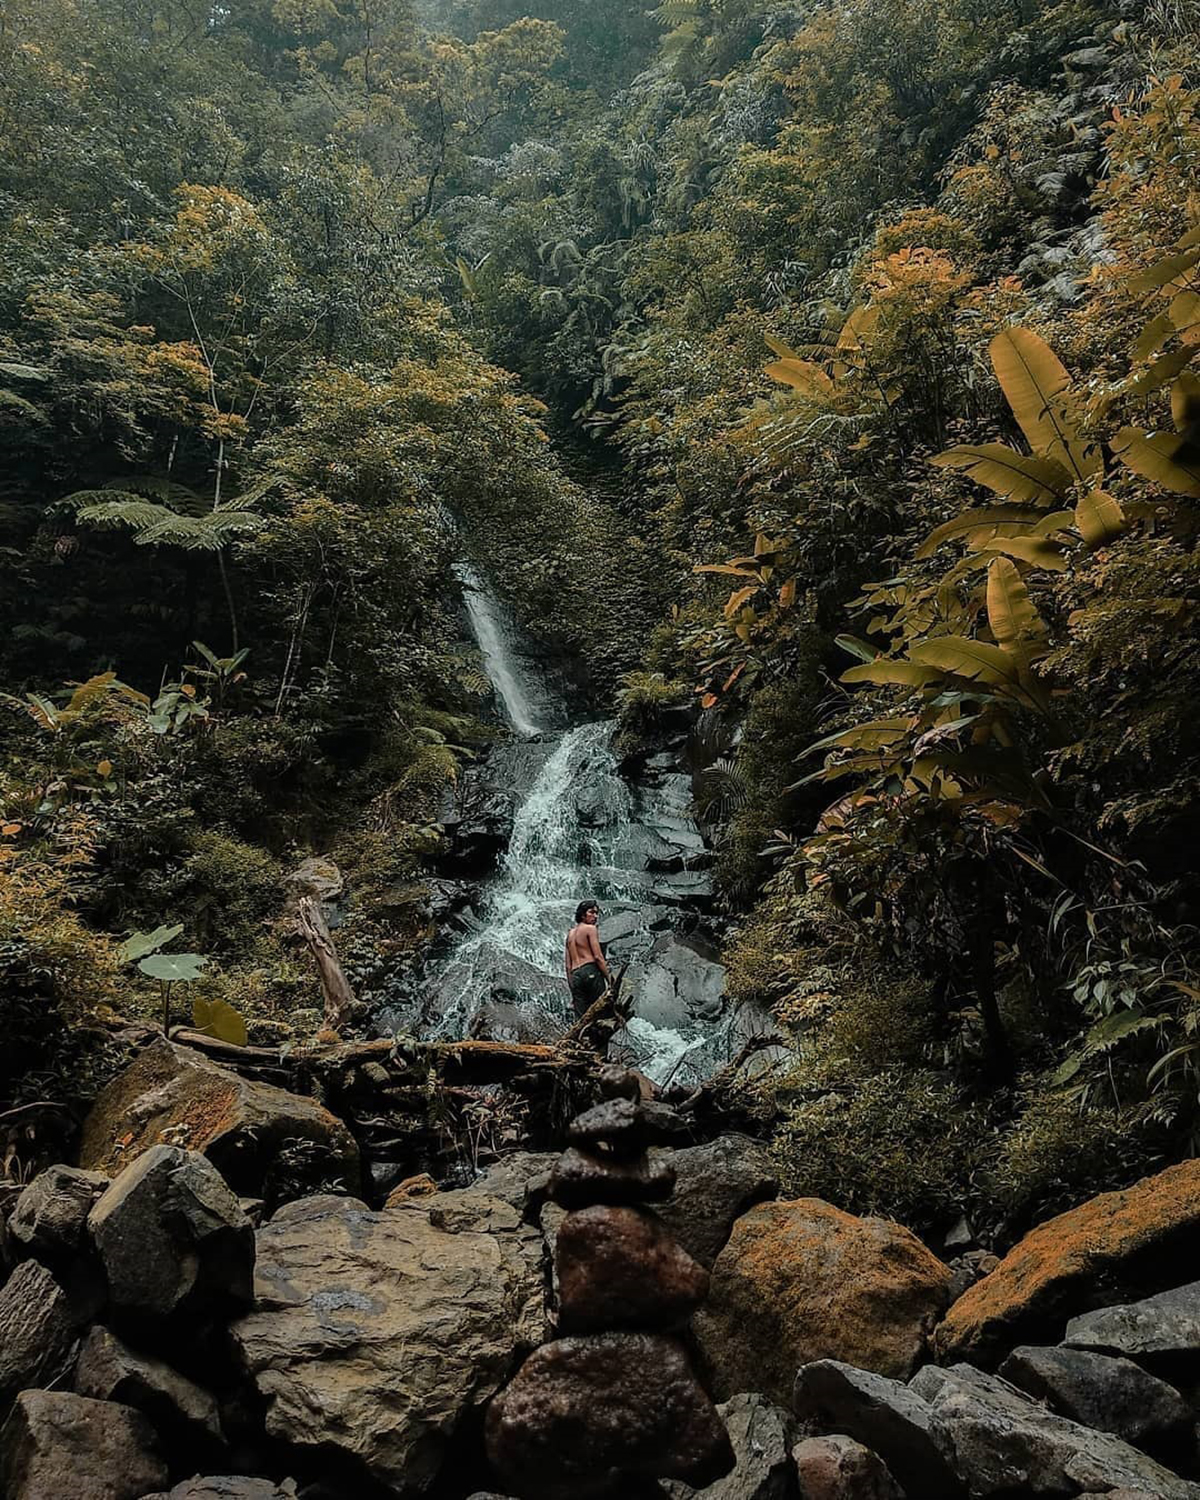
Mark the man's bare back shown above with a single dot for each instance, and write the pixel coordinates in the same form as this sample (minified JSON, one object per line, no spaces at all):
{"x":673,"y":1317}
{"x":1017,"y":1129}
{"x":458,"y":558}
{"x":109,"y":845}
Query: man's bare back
{"x":587,"y":971}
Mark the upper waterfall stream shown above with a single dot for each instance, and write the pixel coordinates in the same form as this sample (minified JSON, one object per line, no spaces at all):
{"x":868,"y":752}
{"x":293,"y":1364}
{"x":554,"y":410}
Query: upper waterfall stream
{"x":579,"y":830}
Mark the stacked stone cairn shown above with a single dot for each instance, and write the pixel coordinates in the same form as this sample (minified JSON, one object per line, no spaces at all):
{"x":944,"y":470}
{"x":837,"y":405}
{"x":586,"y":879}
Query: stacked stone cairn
{"x":613,"y":1405}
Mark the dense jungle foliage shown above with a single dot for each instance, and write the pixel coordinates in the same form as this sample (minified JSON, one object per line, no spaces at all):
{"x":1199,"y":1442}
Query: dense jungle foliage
{"x":827,"y":365}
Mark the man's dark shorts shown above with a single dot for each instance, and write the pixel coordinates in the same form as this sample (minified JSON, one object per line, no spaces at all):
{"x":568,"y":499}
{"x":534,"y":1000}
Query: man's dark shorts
{"x":587,"y":985}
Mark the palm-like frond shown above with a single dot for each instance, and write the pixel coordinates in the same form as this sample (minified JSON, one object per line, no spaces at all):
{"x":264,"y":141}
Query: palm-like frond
{"x":96,"y":508}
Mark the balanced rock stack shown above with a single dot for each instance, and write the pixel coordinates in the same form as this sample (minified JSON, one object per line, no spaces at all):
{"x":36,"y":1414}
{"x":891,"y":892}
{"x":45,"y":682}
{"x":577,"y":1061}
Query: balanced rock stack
{"x":615,"y":1403}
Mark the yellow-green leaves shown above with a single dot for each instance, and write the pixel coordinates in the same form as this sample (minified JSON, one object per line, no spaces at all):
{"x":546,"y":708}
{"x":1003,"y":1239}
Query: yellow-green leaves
{"x":1007,"y":472}
{"x":1099,"y":518}
{"x":1012,"y":614}
{"x":1038,"y":388}
{"x":219,"y":1019}
{"x":1168,"y":458}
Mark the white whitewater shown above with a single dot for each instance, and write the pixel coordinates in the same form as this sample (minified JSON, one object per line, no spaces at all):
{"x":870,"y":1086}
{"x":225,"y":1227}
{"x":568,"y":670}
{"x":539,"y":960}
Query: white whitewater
{"x":487,"y":628}
{"x":575,"y":835}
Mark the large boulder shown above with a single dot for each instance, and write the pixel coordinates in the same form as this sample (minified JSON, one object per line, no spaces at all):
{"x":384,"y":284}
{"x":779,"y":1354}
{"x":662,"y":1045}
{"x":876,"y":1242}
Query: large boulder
{"x":50,"y":1219}
{"x":108,"y":1370}
{"x":1114,"y":1248}
{"x":803,"y":1281}
{"x":37,"y":1330}
{"x":375,"y":1335}
{"x":1000,"y":1443}
{"x":622,"y":1268}
{"x":1113,"y":1395}
{"x":173,"y":1238}
{"x":177,"y":1095}
{"x":761,"y":1435}
{"x":714,"y":1185}
{"x":588,"y":1416}
{"x":56,"y":1446}
{"x":884,"y":1416}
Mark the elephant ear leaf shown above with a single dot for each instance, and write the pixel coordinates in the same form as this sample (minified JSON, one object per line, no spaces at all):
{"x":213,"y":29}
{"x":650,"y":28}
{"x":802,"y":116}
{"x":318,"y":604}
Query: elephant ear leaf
{"x":1012,"y":614}
{"x":142,"y":943}
{"x":219,"y":1019}
{"x":1099,"y":518}
{"x":1038,"y":389}
{"x":173,"y":968}
{"x":1168,"y":458}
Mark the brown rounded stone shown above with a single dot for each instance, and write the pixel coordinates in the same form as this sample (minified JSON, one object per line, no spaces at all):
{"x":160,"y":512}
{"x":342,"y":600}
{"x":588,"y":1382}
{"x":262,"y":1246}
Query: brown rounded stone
{"x":581,"y":1178}
{"x":618,"y":1124}
{"x":803,"y":1281}
{"x":585,"y":1415}
{"x":622,"y":1268}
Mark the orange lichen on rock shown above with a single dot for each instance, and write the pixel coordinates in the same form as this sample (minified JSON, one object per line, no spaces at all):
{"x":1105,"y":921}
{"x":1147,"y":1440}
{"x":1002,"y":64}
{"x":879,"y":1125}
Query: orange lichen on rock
{"x":1115,"y":1248}
{"x":171,"y":1095}
{"x":803,"y":1281}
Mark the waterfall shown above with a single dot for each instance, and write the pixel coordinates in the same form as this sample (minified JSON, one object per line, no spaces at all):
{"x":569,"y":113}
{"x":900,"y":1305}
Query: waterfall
{"x":506,"y":677}
{"x":579,"y":831}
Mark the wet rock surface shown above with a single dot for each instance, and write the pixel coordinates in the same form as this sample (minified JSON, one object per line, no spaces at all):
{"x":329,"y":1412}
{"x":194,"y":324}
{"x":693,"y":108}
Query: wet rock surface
{"x":621,"y":1267}
{"x":584,"y":1414}
{"x":176,"y":1095}
{"x":1114,"y":1248}
{"x":55,"y":1446}
{"x":803,"y":1281}
{"x":228,"y":1487}
{"x":583,"y":1177}
{"x":173,"y":1238}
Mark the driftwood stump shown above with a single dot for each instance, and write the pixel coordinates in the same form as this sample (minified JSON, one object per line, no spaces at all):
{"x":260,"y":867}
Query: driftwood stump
{"x":339,"y":997}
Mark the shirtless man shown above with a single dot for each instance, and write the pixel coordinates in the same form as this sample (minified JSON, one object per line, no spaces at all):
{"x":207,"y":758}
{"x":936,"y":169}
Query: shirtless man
{"x":587,"y":972}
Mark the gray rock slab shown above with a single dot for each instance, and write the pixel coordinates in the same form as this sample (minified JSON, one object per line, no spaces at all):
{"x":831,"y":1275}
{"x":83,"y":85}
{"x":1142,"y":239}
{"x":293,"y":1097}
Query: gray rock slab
{"x":762,"y":1436}
{"x":715,"y":1183}
{"x":1108,"y":1393}
{"x":50,"y":1219}
{"x":1001,"y":1443}
{"x":884,"y":1415}
{"x":109,"y":1370}
{"x":1166,"y":1325}
{"x":37,"y":1330}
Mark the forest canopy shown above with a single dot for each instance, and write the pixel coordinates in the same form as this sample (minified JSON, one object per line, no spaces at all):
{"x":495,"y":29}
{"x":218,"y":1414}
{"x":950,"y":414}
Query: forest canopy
{"x":829,"y":368}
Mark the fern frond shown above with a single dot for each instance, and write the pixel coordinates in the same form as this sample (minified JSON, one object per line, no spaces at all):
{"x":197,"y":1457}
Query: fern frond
{"x":129,"y":511}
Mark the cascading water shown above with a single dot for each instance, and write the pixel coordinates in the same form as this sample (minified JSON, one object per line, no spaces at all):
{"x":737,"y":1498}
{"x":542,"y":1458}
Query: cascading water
{"x":579,"y":831}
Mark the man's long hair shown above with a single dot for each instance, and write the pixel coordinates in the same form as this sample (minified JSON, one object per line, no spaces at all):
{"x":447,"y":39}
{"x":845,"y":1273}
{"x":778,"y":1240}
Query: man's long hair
{"x":583,"y":908}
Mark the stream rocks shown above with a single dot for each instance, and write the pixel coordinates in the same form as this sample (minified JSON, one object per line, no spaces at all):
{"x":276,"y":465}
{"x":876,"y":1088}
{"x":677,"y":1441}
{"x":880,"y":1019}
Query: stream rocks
{"x":374,"y":1334}
{"x":1113,"y":1248}
{"x":172,"y":1093}
{"x":595,"y":1414}
{"x":803,"y":1281}
{"x":56,"y":1446}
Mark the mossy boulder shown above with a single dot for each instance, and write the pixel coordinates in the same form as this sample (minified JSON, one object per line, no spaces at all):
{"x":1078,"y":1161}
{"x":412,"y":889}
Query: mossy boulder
{"x":1114,"y":1248}
{"x":803,"y":1281}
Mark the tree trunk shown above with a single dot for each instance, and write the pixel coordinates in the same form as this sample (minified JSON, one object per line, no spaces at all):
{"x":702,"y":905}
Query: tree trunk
{"x":339,"y":997}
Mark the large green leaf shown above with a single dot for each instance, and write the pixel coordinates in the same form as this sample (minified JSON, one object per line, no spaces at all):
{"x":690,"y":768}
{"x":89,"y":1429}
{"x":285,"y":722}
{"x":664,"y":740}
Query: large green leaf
{"x":803,"y":376}
{"x":1006,"y":472}
{"x":140,"y":943}
{"x":886,"y":670}
{"x":218,"y":1018}
{"x":1037,"y":550}
{"x":1011,"y":517}
{"x":1012,"y":614}
{"x":1185,"y":404}
{"x":974,"y":660}
{"x":1038,"y":389}
{"x":1168,"y":458}
{"x":173,"y":968}
{"x":1099,"y":518}
{"x":1163,"y":272}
